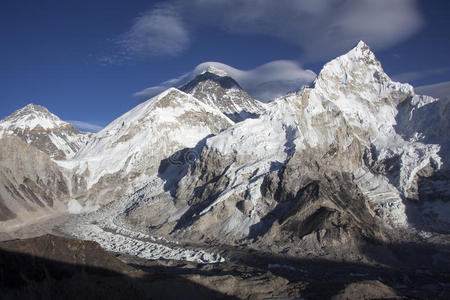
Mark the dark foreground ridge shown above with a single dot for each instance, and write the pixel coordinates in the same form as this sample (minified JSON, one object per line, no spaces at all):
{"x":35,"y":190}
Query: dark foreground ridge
{"x":52,"y":267}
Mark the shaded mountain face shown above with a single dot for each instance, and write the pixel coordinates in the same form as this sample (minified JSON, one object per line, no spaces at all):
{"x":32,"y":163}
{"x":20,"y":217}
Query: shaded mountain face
{"x":37,"y":126}
{"x":215,"y":88}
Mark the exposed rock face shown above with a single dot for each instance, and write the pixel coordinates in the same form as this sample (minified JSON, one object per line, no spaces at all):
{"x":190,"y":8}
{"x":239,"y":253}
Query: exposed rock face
{"x":36,"y":126}
{"x":31,"y":184}
{"x":215,"y":88}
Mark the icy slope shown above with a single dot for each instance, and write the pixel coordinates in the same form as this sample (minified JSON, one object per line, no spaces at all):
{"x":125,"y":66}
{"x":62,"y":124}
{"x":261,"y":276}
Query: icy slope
{"x":37,"y":126}
{"x":125,"y":154}
{"x":215,"y":88}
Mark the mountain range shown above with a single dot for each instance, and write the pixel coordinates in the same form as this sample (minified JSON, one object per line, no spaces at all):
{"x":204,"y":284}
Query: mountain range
{"x":332,"y":170}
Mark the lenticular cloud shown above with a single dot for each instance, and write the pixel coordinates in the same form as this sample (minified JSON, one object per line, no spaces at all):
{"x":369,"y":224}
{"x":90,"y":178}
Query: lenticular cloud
{"x":264,"y":83}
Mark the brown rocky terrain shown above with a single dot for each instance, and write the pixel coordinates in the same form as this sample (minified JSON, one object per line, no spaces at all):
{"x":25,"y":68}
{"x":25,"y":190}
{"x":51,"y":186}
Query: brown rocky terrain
{"x":54,"y":267}
{"x":31,"y":184}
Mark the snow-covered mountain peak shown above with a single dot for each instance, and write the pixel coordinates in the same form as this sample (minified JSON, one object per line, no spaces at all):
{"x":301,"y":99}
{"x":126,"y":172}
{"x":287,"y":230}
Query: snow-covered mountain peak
{"x":360,"y":71}
{"x":130,"y":149}
{"x":37,"y":126}
{"x":362,"y":48}
{"x":358,"y":61}
{"x":30,"y":117}
{"x":215,"y":88}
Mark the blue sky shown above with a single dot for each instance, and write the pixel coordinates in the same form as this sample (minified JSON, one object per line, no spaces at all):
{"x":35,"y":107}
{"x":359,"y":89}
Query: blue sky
{"x":90,"y":60}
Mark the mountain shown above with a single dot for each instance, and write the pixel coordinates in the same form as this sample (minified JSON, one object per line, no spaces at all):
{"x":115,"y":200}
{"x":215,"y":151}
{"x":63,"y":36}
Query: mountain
{"x":215,"y":88}
{"x":32,"y":185}
{"x":37,"y":126}
{"x":134,"y":148}
{"x":327,"y":170}
{"x":333,"y":170}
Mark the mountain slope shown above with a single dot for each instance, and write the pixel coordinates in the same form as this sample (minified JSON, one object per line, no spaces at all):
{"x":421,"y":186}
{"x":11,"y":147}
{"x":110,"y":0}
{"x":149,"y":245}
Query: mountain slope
{"x":37,"y":126}
{"x":215,"y":88}
{"x":326,"y":166}
{"x":127,"y":153}
{"x":31,"y":184}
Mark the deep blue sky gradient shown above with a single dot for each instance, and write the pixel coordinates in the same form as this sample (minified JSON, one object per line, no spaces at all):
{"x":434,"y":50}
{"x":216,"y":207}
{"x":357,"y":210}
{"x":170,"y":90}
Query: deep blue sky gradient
{"x":51,"y":51}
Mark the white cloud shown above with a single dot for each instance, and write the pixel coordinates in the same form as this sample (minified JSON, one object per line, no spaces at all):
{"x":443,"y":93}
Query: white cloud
{"x":438,"y":90}
{"x":415,"y":75}
{"x":85,"y":126}
{"x":264,"y":83}
{"x":322,"y":28}
{"x":157,"y":32}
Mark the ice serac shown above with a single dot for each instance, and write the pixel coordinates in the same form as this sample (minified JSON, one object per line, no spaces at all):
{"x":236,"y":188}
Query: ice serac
{"x":128,"y":153}
{"x":327,"y":169}
{"x":216,"y":88}
{"x":38,"y":127}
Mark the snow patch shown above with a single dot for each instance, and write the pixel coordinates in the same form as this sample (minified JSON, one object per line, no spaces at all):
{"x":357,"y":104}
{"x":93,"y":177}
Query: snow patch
{"x":74,"y":207}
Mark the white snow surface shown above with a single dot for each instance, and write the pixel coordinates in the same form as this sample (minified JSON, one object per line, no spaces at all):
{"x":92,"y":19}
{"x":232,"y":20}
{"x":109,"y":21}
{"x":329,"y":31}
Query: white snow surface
{"x":74,"y":207}
{"x":259,"y":144}
{"x":368,"y":98}
{"x":216,"y":71}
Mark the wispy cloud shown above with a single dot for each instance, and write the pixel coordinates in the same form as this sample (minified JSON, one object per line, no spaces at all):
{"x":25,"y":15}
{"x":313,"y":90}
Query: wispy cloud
{"x":159,"y":31}
{"x":85,"y":126}
{"x":264,"y":83}
{"x":438,"y":90}
{"x":416,"y":75}
{"x":321,"y":28}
